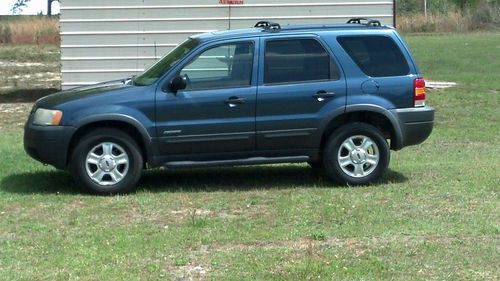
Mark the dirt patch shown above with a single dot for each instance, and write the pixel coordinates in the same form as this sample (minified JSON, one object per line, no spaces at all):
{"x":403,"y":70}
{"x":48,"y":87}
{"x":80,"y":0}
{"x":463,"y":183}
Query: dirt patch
{"x":25,"y":64}
{"x":14,"y":115}
{"x":189,"y":272}
{"x":358,"y":244}
{"x":28,"y":73}
{"x":165,"y":219}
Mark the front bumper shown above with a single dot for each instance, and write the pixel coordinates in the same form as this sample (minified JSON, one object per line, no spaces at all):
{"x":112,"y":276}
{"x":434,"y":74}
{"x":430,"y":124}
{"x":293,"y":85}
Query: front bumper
{"x":48,"y":144}
{"x":416,"y":124}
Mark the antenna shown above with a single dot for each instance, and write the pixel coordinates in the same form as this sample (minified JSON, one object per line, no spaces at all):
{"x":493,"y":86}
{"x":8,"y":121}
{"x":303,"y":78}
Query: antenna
{"x":156,"y":57}
{"x":229,"y":15}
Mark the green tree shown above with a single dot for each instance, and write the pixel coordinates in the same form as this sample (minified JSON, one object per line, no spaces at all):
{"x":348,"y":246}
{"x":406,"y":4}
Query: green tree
{"x":18,"y":6}
{"x":462,"y":4}
{"x":405,"y":7}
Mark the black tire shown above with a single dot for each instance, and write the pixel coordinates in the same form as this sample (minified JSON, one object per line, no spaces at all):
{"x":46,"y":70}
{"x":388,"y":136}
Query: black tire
{"x":356,"y":160}
{"x":124,"y":157}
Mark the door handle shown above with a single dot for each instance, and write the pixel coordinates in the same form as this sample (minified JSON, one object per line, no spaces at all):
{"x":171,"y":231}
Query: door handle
{"x":234,"y":101}
{"x":322,"y":95}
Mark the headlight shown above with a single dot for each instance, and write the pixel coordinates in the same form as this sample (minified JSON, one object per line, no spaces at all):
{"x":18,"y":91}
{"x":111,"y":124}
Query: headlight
{"x":47,"y":117}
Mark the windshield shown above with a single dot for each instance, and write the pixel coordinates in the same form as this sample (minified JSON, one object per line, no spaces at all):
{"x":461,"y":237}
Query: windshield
{"x":154,"y":72}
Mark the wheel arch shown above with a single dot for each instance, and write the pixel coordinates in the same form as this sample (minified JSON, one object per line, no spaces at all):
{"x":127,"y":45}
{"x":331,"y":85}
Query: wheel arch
{"x":124,"y":123}
{"x":374,"y":115}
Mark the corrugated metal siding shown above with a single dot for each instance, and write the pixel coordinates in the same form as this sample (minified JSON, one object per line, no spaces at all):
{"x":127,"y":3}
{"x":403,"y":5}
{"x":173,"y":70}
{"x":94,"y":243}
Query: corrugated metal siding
{"x":104,"y":40}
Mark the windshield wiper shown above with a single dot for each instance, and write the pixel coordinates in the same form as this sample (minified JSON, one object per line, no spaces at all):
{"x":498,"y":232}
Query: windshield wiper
{"x":129,"y":80}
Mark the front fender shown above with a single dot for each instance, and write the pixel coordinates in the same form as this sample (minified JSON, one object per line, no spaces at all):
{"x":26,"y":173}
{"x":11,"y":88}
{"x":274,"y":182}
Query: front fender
{"x":132,"y":117}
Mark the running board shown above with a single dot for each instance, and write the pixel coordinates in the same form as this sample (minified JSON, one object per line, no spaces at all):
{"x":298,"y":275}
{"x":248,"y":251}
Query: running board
{"x":236,"y":162}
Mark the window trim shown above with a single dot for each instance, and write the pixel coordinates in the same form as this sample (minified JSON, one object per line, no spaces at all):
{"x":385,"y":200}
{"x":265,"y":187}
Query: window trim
{"x":332,"y":61}
{"x":375,"y":35}
{"x":216,"y":45}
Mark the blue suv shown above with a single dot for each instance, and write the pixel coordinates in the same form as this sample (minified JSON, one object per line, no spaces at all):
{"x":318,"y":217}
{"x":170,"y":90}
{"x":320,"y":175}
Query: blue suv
{"x":338,"y":97}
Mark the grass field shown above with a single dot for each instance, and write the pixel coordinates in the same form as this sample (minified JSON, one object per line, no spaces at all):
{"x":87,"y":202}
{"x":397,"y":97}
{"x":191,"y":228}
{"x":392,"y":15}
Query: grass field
{"x":434,"y":216}
{"x":29,"y":29}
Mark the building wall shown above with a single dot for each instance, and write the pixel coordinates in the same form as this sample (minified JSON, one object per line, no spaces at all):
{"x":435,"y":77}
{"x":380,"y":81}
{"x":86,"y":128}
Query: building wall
{"x":105,"y":40}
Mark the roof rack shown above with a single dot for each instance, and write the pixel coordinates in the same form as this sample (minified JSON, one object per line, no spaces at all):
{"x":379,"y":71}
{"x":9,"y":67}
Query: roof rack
{"x":369,"y":22}
{"x":268,"y":25}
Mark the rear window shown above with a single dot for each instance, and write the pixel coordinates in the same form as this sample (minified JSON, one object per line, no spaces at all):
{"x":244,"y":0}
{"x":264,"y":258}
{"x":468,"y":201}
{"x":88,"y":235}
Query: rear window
{"x":297,"y":60}
{"x":376,"y":56}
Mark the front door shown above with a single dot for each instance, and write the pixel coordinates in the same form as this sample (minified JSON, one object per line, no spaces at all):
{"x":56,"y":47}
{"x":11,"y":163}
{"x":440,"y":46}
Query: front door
{"x":216,"y":112}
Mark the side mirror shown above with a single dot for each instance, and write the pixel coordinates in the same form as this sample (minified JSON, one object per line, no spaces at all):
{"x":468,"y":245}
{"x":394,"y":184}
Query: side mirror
{"x":178,"y":83}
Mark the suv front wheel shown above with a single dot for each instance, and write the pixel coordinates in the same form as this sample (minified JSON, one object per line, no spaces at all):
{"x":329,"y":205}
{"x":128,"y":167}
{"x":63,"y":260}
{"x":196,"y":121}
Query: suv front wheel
{"x":356,"y":154}
{"x":106,"y":161}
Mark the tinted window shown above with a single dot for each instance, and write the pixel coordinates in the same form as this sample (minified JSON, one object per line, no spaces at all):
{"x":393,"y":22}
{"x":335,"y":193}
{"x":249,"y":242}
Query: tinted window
{"x":376,"y":55}
{"x":297,"y":60}
{"x":221,"y":67}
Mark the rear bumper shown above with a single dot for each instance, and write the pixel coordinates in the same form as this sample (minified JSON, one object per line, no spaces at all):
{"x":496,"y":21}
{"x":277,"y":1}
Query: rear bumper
{"x":416,"y":125}
{"x":48,"y":144}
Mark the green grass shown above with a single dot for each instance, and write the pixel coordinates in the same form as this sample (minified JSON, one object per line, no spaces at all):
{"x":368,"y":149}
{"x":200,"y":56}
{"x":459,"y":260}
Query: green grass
{"x":29,"y":53}
{"x":434,"y":216}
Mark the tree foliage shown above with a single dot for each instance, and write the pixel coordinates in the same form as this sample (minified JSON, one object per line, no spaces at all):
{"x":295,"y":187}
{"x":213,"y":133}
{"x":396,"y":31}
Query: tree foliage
{"x":18,"y":6}
{"x":439,"y":6}
{"x":462,"y":4}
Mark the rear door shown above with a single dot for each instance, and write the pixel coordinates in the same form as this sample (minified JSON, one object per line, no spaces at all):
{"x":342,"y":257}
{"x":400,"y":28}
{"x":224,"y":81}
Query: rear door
{"x":299,"y":82}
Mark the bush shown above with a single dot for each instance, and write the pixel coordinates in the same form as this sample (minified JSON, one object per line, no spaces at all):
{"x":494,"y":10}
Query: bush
{"x":5,"y":33}
{"x":29,"y":29}
{"x":483,"y":15}
{"x":486,"y":15}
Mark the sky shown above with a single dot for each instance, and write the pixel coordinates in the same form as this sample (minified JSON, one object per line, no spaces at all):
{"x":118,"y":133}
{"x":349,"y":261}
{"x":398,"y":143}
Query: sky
{"x":33,"y":8}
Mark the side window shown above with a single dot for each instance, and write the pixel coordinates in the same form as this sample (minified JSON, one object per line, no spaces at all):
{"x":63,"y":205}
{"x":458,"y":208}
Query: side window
{"x":376,"y":56}
{"x":297,"y":60}
{"x":223,"y":66}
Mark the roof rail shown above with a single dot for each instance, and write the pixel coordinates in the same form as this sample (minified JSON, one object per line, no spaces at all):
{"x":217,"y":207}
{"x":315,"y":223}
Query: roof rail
{"x":369,"y":22}
{"x":268,"y":25}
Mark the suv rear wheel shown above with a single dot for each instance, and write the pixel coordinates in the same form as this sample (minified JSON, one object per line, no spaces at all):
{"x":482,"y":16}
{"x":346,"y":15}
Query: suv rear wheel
{"x":106,"y":161}
{"x":356,"y":154}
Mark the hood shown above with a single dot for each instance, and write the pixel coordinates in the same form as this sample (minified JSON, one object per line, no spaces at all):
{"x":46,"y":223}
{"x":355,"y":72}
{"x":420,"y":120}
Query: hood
{"x":61,"y":97}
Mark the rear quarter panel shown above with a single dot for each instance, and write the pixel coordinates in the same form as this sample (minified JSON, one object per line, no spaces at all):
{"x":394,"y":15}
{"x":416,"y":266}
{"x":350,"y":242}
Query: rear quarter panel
{"x":392,"y":92}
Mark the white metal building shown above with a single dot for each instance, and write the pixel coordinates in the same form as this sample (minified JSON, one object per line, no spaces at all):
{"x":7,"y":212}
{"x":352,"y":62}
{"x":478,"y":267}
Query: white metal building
{"x":113,"y":39}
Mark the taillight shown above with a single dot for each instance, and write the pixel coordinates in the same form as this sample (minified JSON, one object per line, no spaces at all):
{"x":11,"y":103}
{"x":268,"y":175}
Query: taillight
{"x":419,"y":88}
